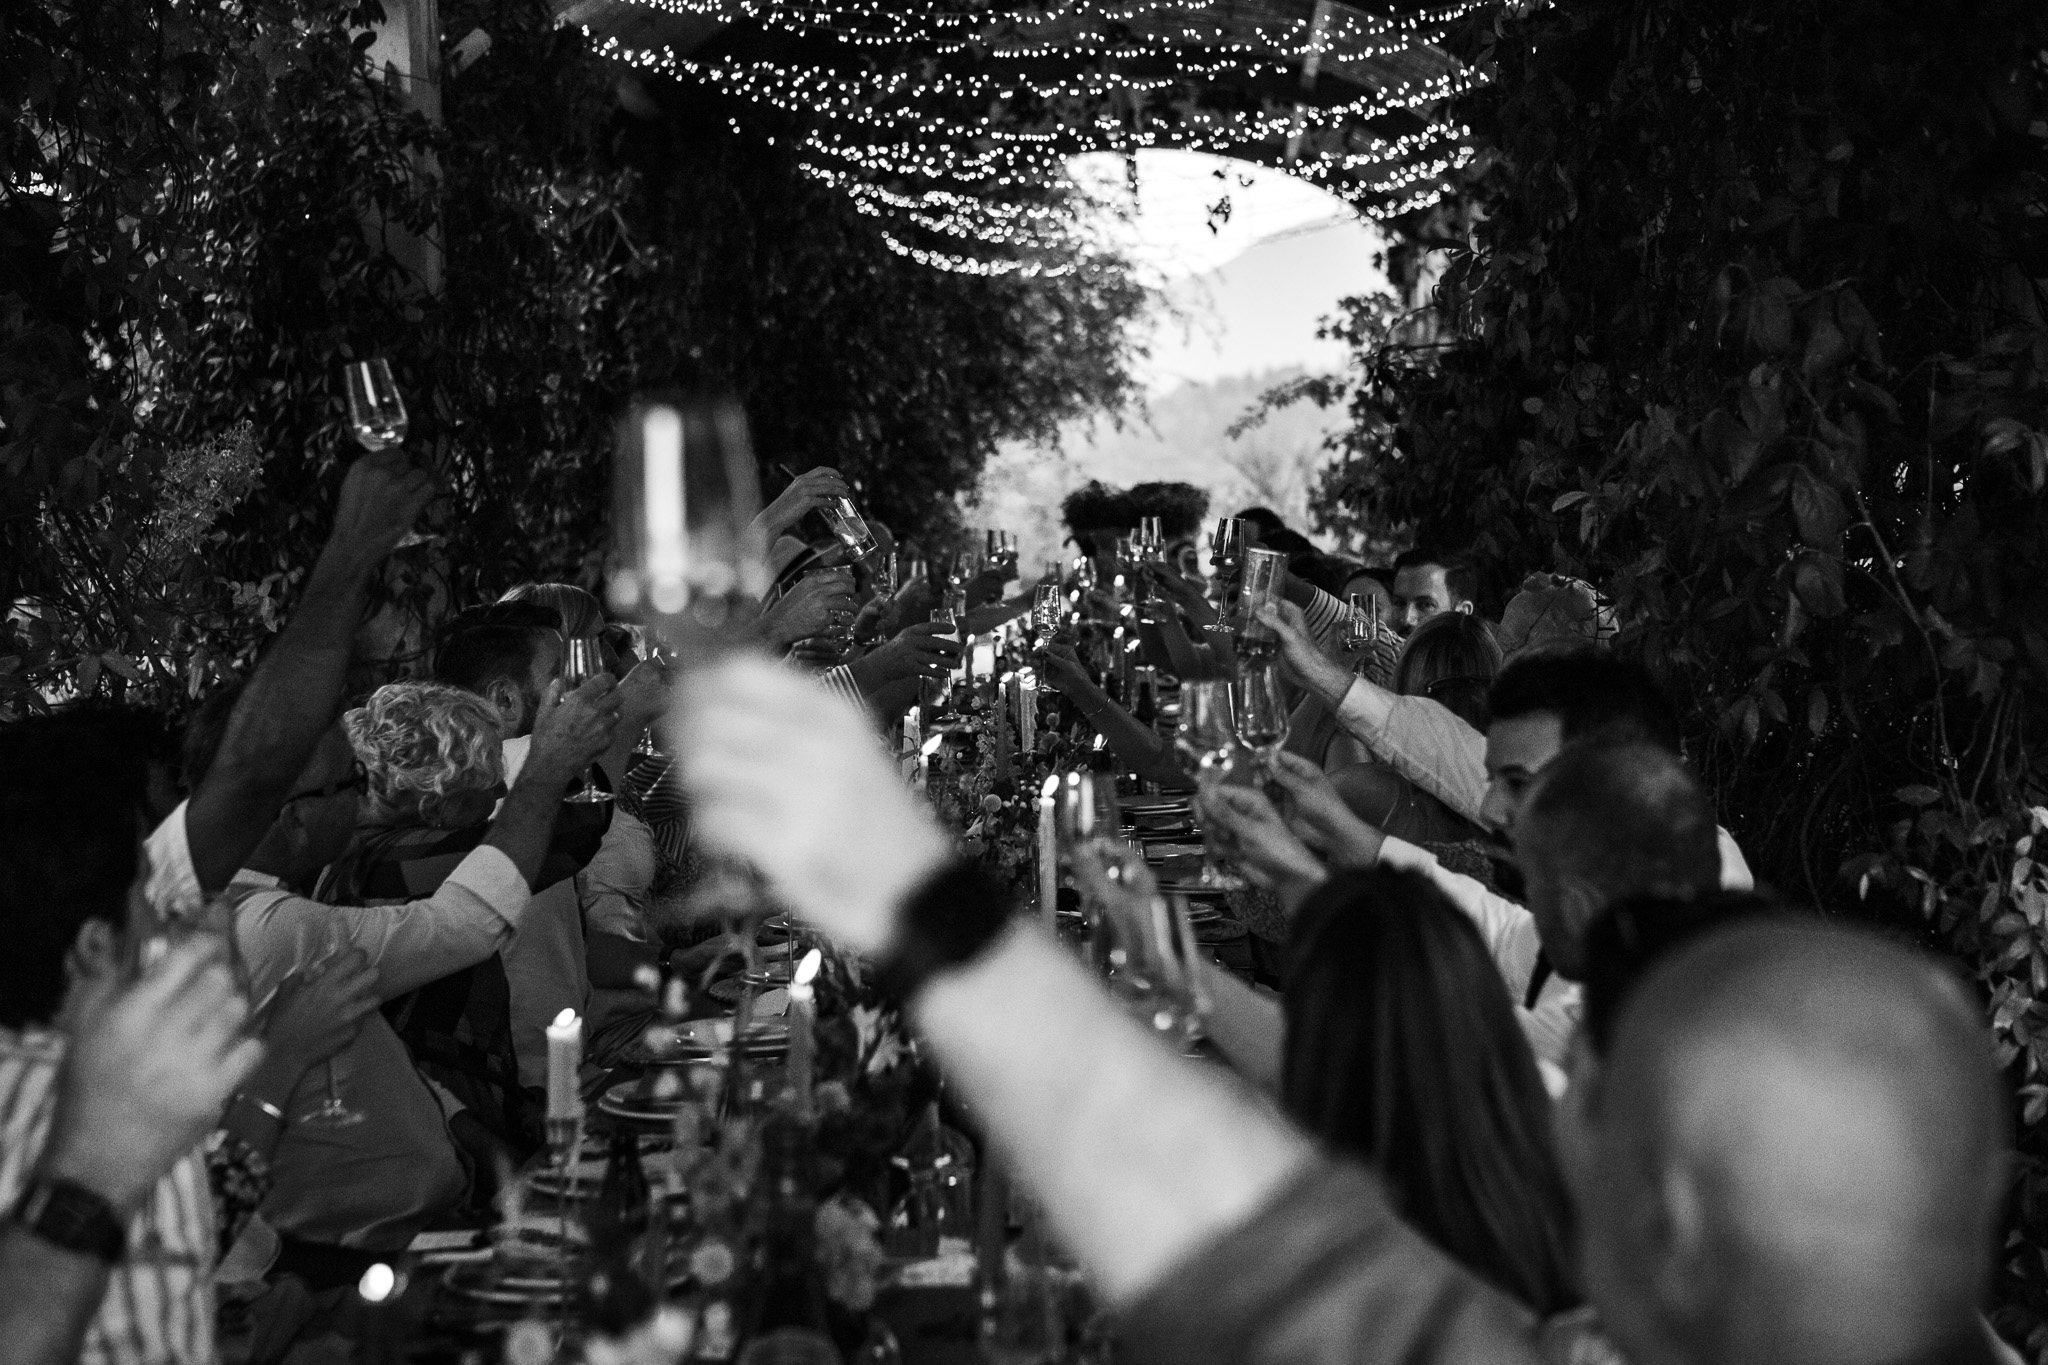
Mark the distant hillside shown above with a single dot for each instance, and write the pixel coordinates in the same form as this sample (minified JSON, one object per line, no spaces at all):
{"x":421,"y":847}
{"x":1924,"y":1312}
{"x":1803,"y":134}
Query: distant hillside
{"x":1180,"y":435}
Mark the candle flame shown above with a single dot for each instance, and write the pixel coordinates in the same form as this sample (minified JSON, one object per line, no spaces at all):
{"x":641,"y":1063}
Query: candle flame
{"x":565,"y":1018}
{"x":1051,"y":787}
{"x":807,"y":970}
{"x":377,"y":1283}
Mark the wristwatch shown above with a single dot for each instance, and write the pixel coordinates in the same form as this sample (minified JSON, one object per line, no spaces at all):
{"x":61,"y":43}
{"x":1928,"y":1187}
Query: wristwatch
{"x":67,"y":1214}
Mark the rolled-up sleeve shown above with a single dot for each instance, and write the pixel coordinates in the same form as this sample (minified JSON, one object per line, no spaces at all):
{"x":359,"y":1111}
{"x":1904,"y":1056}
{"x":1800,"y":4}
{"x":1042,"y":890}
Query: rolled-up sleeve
{"x":1423,"y":741}
{"x":472,"y":915}
{"x":1326,"y":1274}
{"x":173,"y":886}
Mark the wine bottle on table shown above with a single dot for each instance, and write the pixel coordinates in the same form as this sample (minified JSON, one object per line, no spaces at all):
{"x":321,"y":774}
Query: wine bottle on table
{"x":789,"y":1299}
{"x":616,"y":1295}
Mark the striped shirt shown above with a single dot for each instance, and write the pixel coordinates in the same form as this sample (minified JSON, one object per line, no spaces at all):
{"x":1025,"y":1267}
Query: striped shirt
{"x":159,"y":1301}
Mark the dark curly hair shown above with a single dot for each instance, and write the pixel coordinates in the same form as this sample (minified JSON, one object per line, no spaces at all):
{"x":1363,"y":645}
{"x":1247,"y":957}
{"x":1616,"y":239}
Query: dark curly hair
{"x":1099,"y":507}
{"x":1180,"y":507}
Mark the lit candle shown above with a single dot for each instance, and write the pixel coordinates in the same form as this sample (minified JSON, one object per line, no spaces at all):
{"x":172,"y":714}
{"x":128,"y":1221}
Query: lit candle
{"x":565,"y":1059}
{"x":668,"y":543}
{"x":999,"y":721}
{"x":1048,"y":854}
{"x":803,"y":1043}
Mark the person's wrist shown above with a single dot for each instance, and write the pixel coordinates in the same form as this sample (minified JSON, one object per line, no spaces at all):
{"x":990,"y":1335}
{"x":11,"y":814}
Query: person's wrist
{"x":120,"y":1180}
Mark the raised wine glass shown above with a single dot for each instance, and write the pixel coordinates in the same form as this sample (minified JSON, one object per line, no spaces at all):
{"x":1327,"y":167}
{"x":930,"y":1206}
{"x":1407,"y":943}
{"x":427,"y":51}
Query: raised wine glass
{"x":1046,"y":605}
{"x":376,"y":415}
{"x":1264,"y":571}
{"x":850,"y":526}
{"x":582,"y":660}
{"x":1260,"y":709}
{"x":1207,"y":739}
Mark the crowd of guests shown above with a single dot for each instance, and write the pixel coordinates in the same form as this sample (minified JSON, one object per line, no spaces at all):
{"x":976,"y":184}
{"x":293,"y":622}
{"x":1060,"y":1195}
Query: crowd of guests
{"x":1545,"y":1076}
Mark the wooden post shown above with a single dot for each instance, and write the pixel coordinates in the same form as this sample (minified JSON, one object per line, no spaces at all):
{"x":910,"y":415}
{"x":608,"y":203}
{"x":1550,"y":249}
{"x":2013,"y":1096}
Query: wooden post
{"x":407,"y":51}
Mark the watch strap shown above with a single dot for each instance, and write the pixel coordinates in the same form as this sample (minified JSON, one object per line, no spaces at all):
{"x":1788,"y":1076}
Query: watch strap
{"x":955,"y":914}
{"x":67,"y":1214}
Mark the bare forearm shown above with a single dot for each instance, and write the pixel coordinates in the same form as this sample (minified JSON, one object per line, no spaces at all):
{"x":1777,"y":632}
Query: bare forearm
{"x":1137,"y":1156}
{"x":1149,"y":755}
{"x":1246,"y":1026}
{"x":287,"y":704}
{"x":47,"y":1297}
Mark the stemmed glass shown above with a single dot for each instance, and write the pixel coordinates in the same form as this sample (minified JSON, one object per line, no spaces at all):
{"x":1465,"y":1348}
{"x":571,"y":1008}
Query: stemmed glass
{"x":1260,"y":709}
{"x":1207,"y":739}
{"x":1046,"y":603}
{"x":376,"y":414}
{"x":1360,"y":630}
{"x":1263,"y":574}
{"x":850,"y":526}
{"x":1226,"y":556}
{"x":582,"y":660}
{"x":331,"y":1112}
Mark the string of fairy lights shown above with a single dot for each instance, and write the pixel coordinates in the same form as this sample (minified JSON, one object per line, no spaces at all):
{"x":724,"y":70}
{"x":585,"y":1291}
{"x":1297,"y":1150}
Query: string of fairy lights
{"x":953,"y":130}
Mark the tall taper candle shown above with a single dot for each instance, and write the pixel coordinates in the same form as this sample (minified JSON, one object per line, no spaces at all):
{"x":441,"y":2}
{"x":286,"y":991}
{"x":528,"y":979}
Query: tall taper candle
{"x":565,"y":1059}
{"x":1048,"y":855}
{"x":803,"y":1041}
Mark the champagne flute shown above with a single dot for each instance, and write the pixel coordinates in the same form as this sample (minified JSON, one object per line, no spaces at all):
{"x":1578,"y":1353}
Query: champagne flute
{"x":1207,"y":739}
{"x":376,"y":415}
{"x":1046,"y":605}
{"x":1263,"y":571}
{"x":1260,"y":709}
{"x":331,"y":1112}
{"x":582,"y":660}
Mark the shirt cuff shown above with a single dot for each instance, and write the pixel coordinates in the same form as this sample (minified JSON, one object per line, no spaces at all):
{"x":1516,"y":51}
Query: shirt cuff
{"x":1405,"y":857}
{"x":491,"y":876}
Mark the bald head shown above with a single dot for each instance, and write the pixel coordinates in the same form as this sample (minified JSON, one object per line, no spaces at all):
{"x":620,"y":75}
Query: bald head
{"x":1797,"y":1153}
{"x":1607,"y":821}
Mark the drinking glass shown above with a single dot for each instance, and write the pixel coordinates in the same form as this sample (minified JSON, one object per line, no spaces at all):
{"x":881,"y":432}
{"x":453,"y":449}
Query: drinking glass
{"x":685,"y":491}
{"x":1207,"y":739}
{"x":1260,"y":709}
{"x":1226,"y":547}
{"x":582,"y":660}
{"x":1151,"y":534}
{"x":376,"y":415}
{"x":850,"y":526}
{"x":1360,"y":630}
{"x":331,"y":1112}
{"x":1046,"y":605}
{"x":1264,"y":571}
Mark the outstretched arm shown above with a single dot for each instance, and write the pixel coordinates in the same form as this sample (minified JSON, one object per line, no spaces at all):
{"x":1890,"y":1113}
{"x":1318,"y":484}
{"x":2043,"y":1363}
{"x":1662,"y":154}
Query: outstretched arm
{"x":294,"y":693}
{"x":1138,"y":1158}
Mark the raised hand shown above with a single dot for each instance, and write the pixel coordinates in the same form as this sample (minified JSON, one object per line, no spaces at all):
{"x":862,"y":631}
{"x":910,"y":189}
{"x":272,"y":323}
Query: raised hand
{"x":819,"y":605}
{"x":788,"y":776}
{"x":572,"y":728}
{"x":1242,"y":823}
{"x":382,"y":495}
{"x":808,"y":492}
{"x":920,"y":651}
{"x":150,"y":1068}
{"x":1185,"y":594}
{"x":1063,"y":670}
{"x":1301,"y":659}
{"x":1319,"y":816}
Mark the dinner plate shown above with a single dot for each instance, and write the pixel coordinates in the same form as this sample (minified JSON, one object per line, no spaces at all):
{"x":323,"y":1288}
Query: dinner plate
{"x":621,"y":1102}
{"x":696,"y":1039}
{"x":1153,"y":805}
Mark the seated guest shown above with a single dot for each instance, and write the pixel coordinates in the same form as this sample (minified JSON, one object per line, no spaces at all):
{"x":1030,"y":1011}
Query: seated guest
{"x":1148,"y":754}
{"x":125,"y":1222}
{"x":508,"y":654}
{"x":434,"y":772}
{"x":1797,"y":1151}
{"x":1095,"y":515}
{"x":1427,"y":583}
{"x":1424,"y":742}
{"x":369,"y":1186}
{"x":1396,"y":1046}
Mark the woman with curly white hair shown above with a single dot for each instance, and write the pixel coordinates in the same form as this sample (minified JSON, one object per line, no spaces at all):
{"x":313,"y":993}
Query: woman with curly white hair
{"x":433,"y":757}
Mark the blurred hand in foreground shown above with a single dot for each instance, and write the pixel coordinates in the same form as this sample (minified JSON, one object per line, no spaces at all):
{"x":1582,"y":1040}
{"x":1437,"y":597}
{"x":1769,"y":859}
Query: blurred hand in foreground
{"x":1244,"y":825}
{"x":150,"y":1067}
{"x":787,"y":775}
{"x":1320,"y":816}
